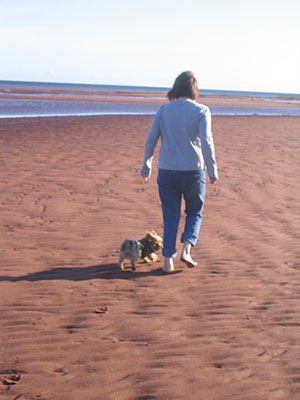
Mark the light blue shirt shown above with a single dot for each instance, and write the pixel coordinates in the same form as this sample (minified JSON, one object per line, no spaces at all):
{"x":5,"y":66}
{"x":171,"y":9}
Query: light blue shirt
{"x":184,"y":127}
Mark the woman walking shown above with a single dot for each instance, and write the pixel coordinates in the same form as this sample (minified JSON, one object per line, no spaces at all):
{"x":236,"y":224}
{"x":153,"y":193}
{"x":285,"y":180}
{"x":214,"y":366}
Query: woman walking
{"x":187,"y":149}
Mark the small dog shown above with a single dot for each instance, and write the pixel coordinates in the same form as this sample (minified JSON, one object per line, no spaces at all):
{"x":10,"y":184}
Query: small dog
{"x":144,"y":249}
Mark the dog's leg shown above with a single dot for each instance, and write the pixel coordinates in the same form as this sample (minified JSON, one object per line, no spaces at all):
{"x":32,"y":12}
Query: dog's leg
{"x":153,"y":257}
{"x":134,"y":259}
{"x":133,"y":264}
{"x":121,"y":266}
{"x":121,"y":263}
{"x":136,"y":255}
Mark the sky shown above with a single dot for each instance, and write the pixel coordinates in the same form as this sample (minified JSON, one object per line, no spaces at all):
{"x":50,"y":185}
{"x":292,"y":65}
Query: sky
{"x":251,"y":45}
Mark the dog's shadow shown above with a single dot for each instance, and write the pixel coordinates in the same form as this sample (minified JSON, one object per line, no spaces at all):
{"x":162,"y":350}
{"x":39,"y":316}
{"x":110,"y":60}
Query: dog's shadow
{"x":104,"y":271}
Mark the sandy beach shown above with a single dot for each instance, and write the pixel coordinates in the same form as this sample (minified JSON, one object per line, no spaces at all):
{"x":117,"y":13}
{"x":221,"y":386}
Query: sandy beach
{"x":73,"y":327}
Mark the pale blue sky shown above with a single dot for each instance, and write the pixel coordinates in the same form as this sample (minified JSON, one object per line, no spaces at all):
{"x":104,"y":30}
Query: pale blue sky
{"x":229,"y":44}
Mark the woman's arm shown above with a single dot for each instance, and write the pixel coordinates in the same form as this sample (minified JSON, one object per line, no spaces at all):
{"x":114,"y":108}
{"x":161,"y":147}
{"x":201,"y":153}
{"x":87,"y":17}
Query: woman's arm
{"x":150,"y":144}
{"x":207,"y":145}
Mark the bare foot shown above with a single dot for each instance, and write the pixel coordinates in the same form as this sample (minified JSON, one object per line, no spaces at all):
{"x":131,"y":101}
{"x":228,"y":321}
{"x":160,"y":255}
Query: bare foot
{"x":168,"y":267}
{"x":187,"y":259}
{"x":186,"y":255}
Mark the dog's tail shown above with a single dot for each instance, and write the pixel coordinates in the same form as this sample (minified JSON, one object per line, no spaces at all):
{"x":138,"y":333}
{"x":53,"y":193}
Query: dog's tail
{"x":129,"y":246}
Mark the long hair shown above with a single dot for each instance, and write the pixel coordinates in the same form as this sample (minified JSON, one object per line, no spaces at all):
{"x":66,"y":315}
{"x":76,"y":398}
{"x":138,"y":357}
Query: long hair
{"x":185,"y":85}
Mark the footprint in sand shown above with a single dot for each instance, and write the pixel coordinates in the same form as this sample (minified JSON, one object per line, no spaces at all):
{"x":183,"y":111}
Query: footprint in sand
{"x":102,"y":310}
{"x":11,"y":379}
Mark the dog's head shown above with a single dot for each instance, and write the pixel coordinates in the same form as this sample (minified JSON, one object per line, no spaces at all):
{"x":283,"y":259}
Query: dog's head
{"x":154,"y":241}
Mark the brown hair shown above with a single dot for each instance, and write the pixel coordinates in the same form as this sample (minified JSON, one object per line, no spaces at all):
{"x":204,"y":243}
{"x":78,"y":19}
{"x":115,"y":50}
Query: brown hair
{"x":185,"y":85}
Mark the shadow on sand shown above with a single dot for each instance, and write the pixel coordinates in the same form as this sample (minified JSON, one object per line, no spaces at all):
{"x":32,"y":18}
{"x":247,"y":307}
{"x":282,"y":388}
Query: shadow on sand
{"x":105,"y":271}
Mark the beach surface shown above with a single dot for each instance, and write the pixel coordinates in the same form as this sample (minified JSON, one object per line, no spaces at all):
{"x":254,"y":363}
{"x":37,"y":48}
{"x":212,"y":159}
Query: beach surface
{"x":73,"y":327}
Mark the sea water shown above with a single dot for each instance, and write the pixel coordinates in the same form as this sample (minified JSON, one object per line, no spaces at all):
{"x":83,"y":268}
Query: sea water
{"x":41,"y":107}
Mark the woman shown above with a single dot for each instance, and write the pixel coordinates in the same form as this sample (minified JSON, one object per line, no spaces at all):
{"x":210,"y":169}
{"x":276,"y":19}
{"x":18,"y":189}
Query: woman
{"x":187,"y":149}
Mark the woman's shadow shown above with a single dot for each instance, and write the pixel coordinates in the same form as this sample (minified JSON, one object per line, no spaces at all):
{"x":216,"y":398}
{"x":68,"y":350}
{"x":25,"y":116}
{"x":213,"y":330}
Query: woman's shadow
{"x":104,"y":271}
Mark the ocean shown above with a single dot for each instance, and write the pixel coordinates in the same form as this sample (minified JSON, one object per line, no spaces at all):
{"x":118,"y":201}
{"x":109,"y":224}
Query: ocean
{"x":31,"y":99}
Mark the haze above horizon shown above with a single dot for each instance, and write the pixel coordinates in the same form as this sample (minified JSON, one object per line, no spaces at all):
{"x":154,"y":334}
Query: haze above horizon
{"x":232,"y":45}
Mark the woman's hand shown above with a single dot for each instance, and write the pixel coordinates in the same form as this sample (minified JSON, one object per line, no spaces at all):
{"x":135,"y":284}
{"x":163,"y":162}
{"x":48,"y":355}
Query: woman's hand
{"x":145,"y":177}
{"x":212,"y":180}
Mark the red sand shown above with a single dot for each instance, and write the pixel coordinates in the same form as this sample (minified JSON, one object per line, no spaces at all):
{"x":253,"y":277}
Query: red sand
{"x":75,"y":328}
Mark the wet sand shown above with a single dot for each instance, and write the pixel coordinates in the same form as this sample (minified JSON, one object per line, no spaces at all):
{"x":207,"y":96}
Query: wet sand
{"x":73,"y":327}
{"x":148,"y":98}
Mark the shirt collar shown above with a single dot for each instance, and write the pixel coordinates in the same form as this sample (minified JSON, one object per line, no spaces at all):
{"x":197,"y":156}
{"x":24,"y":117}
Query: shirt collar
{"x":183,"y":99}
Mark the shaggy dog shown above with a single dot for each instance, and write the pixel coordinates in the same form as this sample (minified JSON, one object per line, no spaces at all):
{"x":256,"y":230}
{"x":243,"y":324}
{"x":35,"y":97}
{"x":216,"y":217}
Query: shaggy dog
{"x":144,"y":249}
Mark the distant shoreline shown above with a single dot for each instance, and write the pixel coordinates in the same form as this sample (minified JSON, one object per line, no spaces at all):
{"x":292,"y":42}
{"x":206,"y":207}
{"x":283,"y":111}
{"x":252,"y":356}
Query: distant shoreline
{"x":27,"y":99}
{"x":85,"y":87}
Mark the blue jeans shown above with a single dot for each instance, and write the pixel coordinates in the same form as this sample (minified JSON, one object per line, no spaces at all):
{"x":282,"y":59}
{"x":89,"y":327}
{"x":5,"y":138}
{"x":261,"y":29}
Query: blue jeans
{"x":172,"y":186}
